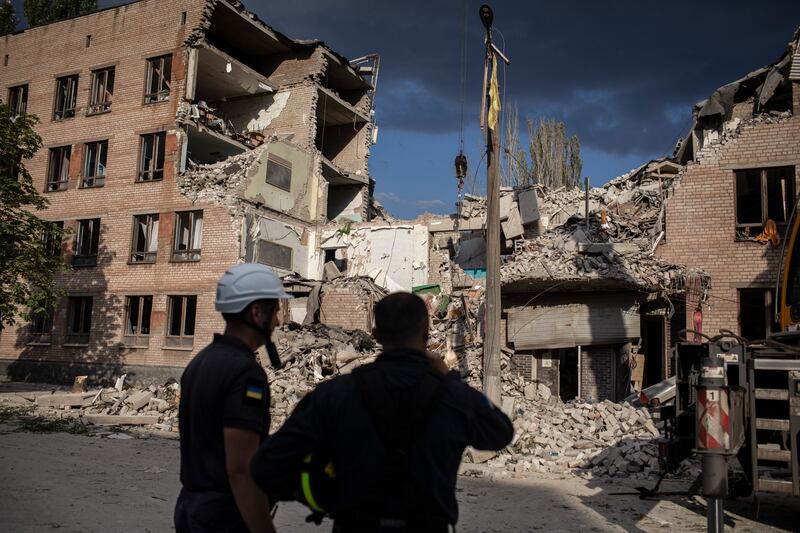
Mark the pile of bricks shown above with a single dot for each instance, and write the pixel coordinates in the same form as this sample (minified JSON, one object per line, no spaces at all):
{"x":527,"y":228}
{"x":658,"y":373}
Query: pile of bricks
{"x":153,"y":406}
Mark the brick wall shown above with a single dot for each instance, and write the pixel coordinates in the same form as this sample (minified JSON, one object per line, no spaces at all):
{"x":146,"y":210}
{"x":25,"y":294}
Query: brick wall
{"x":123,"y":37}
{"x":597,"y":372}
{"x":700,"y":219}
{"x":346,"y":307}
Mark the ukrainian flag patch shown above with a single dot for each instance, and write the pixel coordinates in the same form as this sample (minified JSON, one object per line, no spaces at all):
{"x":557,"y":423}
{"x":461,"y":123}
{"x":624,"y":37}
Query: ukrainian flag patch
{"x":254,"y":393}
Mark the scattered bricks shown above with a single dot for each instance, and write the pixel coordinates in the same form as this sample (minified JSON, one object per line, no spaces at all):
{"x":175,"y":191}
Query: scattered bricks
{"x":139,"y":399}
{"x":120,"y":420}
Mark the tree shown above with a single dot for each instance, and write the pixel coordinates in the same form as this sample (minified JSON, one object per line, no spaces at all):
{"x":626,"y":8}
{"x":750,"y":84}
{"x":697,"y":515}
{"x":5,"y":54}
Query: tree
{"x":555,"y":160}
{"x":40,"y":12}
{"x":27,"y":262}
{"x":8,"y":17}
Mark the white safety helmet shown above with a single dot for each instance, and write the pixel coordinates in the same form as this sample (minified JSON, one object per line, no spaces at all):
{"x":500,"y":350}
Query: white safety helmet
{"x":245,"y":283}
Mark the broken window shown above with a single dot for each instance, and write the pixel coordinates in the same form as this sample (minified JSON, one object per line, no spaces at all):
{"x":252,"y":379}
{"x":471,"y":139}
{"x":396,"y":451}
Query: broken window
{"x":144,"y":245}
{"x":86,"y":242}
{"x":159,"y":71}
{"x":79,"y":320}
{"x":757,"y":313}
{"x":94,"y":164}
{"x":102,"y":91}
{"x":58,"y":169}
{"x":279,"y":173}
{"x":66,"y":96}
{"x":761,"y":195}
{"x":51,"y":239}
{"x":18,"y":99}
{"x":151,"y":156}
{"x":137,"y":320}
{"x":41,"y":328}
{"x":188,"y":236}
{"x":275,"y":255}
{"x":180,"y":328}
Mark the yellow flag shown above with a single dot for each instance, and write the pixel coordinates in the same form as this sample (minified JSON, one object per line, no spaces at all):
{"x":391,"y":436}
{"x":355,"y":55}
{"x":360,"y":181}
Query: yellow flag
{"x":494,"y":96}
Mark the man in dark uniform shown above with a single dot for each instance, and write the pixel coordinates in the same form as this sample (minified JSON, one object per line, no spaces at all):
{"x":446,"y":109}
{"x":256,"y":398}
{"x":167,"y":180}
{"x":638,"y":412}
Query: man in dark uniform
{"x":224,"y":410}
{"x":395,"y":431}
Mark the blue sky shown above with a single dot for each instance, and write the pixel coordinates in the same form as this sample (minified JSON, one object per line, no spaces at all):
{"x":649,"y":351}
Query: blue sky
{"x":622,"y":74}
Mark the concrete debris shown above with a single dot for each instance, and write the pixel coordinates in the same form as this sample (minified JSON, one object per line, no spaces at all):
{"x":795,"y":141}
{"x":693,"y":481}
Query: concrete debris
{"x":600,"y":439}
{"x":311,"y":354}
{"x":137,"y":405}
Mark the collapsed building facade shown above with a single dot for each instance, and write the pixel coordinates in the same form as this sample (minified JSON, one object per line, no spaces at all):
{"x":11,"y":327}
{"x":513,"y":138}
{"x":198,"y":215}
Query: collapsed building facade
{"x":736,"y":193}
{"x":180,"y":137}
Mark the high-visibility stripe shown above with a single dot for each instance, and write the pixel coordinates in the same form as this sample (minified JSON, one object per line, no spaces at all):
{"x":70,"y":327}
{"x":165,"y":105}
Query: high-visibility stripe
{"x":305,"y":485}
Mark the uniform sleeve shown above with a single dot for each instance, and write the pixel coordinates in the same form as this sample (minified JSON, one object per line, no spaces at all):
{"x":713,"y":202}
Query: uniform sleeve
{"x":490,"y":428}
{"x":247,"y":402}
{"x":276,"y":465}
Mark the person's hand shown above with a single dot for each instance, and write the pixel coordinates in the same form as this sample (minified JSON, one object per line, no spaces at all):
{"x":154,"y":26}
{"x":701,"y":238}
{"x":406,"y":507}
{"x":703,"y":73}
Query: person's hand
{"x":437,"y":362}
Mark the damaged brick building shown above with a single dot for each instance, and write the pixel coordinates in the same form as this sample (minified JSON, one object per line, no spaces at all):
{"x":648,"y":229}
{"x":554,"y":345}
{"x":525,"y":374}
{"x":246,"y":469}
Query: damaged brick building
{"x":728,"y":213}
{"x":180,"y":136}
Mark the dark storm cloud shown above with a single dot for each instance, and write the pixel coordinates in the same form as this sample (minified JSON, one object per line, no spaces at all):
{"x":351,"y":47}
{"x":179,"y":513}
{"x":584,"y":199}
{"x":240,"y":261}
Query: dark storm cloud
{"x":622,"y":74}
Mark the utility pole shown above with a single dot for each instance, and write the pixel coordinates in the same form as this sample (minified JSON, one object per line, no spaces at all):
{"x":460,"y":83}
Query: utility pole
{"x":491,"y":343}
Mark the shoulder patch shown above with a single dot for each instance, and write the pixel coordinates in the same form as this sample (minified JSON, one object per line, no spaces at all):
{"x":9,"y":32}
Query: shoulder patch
{"x":254,"y":392}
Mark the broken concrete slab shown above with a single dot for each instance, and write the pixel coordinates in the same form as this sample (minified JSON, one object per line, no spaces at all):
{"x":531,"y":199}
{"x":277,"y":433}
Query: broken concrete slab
{"x":121,"y":420}
{"x":139,"y":399}
{"x":64,"y":400}
{"x":480,"y":456}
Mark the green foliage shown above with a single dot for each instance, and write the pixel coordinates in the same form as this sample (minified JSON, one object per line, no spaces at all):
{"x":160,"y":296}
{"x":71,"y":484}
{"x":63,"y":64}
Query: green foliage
{"x":27,"y":265}
{"x":40,"y":12}
{"x":8,"y":17}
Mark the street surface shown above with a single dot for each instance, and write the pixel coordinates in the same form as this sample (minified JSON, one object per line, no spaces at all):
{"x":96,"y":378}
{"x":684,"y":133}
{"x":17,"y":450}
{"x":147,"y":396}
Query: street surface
{"x":121,"y":482}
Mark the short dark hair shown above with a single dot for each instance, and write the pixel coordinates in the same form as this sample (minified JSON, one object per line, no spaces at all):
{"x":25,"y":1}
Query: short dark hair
{"x":400,"y":317}
{"x":239,"y":317}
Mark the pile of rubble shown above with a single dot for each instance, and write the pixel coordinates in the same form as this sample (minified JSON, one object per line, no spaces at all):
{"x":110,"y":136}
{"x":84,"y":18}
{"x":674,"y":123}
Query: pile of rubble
{"x":598,"y":439}
{"x":137,"y":405}
{"x":311,"y":354}
{"x":559,"y":257}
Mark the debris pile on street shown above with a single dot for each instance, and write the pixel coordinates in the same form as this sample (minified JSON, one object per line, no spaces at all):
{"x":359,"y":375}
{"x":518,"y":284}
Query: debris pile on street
{"x":153,"y":406}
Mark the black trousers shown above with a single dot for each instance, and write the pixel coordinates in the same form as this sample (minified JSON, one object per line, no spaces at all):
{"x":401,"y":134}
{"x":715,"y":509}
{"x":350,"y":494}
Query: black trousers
{"x":207,"y":512}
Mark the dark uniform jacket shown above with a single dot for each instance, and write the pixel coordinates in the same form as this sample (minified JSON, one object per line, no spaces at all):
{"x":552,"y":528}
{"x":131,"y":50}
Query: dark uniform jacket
{"x":222,"y":387}
{"x":334,"y":417}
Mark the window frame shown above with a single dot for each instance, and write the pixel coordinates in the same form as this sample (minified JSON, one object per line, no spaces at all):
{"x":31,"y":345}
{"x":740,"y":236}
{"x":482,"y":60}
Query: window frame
{"x":41,"y":329}
{"x":61,"y":184}
{"x":148,"y":257}
{"x":752,"y":229}
{"x":94,"y":180}
{"x":159,"y":139}
{"x":291,"y":254}
{"x":273,"y":159}
{"x":90,"y":259}
{"x":162,"y":94}
{"x":79,"y":338}
{"x":53,"y":246}
{"x":181,"y":340}
{"x":100,"y":101}
{"x":71,"y":90}
{"x":14,"y":101}
{"x":191,"y":253}
{"x":139,"y":339}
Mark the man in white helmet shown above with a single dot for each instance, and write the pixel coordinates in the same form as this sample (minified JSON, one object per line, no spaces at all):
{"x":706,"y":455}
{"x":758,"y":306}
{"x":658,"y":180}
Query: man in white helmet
{"x":224,"y":410}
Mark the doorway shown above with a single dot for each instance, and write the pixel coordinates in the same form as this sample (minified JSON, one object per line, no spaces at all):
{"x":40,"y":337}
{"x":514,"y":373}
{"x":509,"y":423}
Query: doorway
{"x":567,"y":373}
{"x":653,"y":341}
